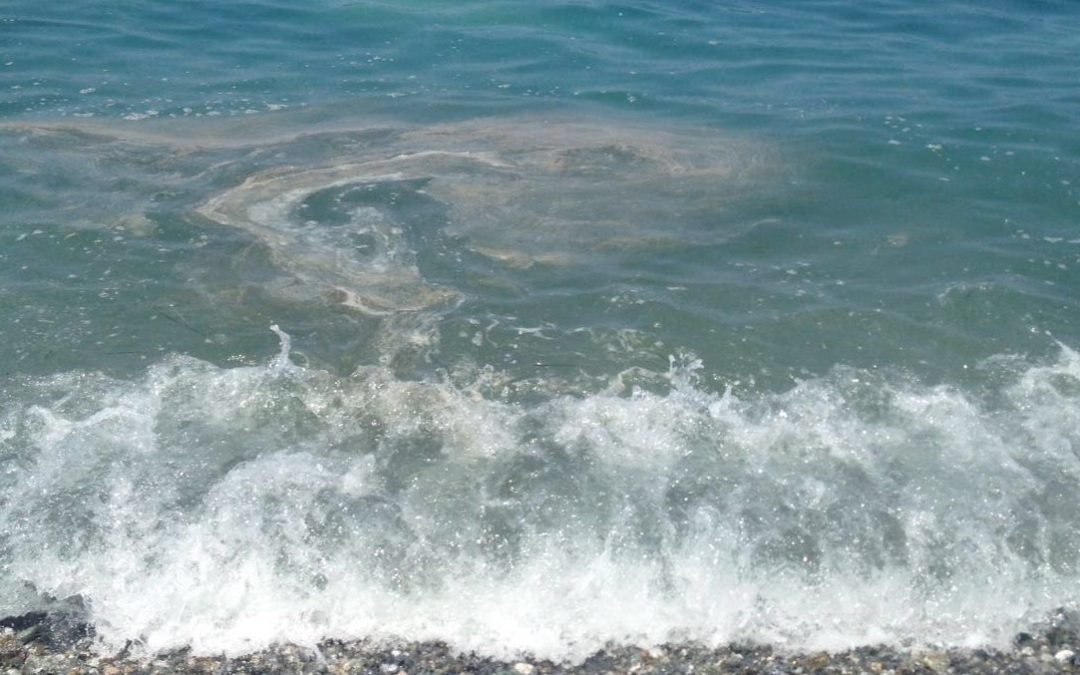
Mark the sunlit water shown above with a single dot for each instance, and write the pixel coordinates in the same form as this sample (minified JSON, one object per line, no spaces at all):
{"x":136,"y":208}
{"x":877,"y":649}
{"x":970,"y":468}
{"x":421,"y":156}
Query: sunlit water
{"x":535,"y":329}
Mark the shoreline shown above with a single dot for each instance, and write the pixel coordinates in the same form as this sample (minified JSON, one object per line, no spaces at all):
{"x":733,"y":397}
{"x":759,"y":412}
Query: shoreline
{"x":39,"y":643}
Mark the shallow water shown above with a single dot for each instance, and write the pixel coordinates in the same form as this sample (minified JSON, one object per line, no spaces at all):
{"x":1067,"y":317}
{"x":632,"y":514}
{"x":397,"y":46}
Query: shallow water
{"x":591,"y":323}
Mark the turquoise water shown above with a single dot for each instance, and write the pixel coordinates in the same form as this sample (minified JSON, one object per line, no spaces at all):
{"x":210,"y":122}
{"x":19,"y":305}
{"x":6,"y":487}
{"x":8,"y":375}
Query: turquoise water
{"x":592,"y":322}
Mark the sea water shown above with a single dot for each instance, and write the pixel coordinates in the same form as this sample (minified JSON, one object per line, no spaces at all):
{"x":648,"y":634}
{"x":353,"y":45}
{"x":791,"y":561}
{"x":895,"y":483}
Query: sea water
{"x":537,"y":327}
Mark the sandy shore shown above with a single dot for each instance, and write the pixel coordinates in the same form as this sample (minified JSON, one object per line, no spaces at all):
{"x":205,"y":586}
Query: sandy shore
{"x":39,"y":643}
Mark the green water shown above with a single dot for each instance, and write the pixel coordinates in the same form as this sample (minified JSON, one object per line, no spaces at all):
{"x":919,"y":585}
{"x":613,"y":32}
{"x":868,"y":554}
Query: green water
{"x":593,"y":322}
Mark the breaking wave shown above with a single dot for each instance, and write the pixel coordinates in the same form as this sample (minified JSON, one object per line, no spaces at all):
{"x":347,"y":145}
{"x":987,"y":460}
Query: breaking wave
{"x":229,"y":508}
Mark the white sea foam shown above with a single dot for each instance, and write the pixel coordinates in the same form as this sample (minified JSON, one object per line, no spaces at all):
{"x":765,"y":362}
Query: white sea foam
{"x":225,"y":509}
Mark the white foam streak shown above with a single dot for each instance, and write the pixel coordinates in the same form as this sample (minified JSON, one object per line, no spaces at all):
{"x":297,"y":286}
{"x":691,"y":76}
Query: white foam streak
{"x":282,"y":364}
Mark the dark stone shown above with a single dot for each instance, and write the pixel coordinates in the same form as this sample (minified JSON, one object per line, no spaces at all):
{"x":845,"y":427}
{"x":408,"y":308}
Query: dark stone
{"x":31,"y":634}
{"x":23,"y":621}
{"x":55,"y":630}
{"x":600,"y":662}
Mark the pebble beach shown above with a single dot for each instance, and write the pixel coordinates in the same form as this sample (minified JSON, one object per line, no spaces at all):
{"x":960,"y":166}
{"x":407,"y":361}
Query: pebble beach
{"x":40,"y":644}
